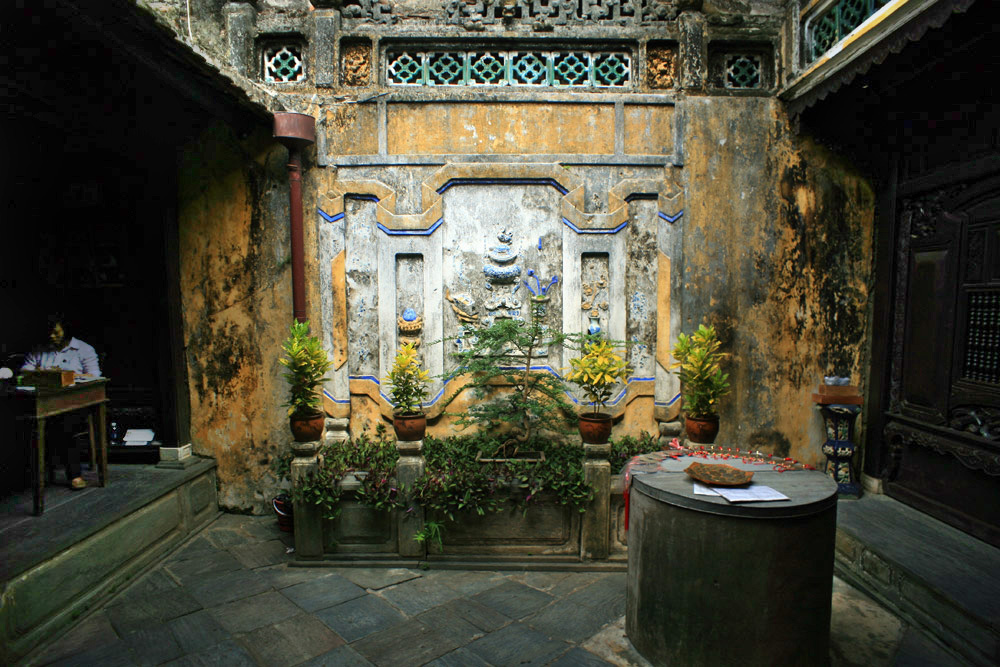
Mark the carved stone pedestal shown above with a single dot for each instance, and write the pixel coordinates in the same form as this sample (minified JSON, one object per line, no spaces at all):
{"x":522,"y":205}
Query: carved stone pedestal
{"x":594,"y":534}
{"x":308,"y":518}
{"x":409,"y":468}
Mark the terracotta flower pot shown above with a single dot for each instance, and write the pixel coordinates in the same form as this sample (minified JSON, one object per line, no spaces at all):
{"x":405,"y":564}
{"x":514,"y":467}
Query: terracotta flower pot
{"x":283,"y":507}
{"x":307,"y":428}
{"x":409,"y":427}
{"x":595,"y":428}
{"x":702,"y":429}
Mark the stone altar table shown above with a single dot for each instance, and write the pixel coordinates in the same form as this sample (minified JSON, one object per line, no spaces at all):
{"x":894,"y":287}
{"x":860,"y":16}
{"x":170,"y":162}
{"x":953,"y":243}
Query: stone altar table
{"x":715,"y":583}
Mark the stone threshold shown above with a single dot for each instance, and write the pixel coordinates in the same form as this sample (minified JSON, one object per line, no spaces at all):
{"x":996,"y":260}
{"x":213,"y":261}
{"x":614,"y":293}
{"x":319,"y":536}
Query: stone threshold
{"x":933,"y":576}
{"x":461,"y":562}
{"x":83,"y":550}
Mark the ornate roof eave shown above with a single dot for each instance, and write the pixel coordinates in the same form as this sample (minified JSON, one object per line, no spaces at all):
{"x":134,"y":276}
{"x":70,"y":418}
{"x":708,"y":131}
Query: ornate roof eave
{"x":886,"y":33}
{"x":179,"y":64}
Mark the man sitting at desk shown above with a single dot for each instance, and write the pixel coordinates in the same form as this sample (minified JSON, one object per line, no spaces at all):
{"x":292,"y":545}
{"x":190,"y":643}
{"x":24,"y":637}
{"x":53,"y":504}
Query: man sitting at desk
{"x":69,"y":354}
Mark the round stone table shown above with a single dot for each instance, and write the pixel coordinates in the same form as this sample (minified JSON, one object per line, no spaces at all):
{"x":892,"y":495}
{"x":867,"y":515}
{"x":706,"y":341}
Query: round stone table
{"x":715,"y":583}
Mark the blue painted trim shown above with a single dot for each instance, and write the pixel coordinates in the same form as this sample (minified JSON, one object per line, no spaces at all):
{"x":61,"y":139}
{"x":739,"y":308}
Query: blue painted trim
{"x":364,"y":197}
{"x":667,"y":404}
{"x":641,"y":195}
{"x":594,"y":231}
{"x":336,"y":400}
{"x":330,"y":218}
{"x":669,"y":218}
{"x":411,"y":232}
{"x":503,"y":181}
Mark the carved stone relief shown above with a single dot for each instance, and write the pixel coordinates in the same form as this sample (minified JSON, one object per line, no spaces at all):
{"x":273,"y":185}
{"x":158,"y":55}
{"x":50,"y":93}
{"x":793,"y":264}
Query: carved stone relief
{"x":355,"y":65}
{"x":661,"y":66}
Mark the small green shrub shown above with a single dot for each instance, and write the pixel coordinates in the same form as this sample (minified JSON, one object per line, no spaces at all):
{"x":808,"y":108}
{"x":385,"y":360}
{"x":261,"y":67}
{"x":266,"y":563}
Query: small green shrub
{"x":374,"y":455}
{"x":457,"y":482}
{"x":623,"y":449}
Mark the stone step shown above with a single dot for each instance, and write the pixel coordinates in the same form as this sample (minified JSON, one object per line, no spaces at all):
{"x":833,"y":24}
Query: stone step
{"x":930,"y":574}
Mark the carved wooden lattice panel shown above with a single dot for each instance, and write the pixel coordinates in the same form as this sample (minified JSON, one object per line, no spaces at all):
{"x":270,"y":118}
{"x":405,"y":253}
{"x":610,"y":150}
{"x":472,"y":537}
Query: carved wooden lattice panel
{"x":982,"y":339}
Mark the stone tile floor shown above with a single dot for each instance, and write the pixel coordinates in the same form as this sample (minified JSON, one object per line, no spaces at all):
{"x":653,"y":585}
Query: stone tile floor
{"x":229,"y":597}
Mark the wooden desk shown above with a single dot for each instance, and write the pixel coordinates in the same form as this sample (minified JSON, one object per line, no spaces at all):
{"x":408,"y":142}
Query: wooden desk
{"x":41,"y":404}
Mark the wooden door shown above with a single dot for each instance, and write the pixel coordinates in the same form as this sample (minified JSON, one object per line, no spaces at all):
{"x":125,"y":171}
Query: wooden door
{"x":942,"y":428}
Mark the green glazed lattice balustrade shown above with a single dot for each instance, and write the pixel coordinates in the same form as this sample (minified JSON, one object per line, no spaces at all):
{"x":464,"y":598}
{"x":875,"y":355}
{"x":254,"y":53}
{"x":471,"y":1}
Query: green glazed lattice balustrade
{"x":836,"y":22}
{"x":582,"y":69}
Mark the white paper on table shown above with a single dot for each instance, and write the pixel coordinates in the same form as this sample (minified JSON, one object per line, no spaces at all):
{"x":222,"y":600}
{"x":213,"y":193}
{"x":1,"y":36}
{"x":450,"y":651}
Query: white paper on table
{"x":755,"y":493}
{"x":703,"y":490}
{"x":138,"y":436}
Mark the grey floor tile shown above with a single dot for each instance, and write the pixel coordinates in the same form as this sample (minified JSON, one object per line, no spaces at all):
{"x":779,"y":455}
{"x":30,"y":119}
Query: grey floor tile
{"x":460,"y":657}
{"x":196,"y":547}
{"x":570,"y":621}
{"x":207,"y":564}
{"x":320,"y":593}
{"x":343,"y":656}
{"x":543,"y":581}
{"x":115,"y":654}
{"x":374,"y":578}
{"x":419,"y":594}
{"x":513,"y":599}
{"x":517,"y":644}
{"x":263,"y":527}
{"x":226,"y":654}
{"x":131,"y":616}
{"x":470,"y":583}
{"x":154,"y":583}
{"x":861,"y":631}
{"x":260,"y":554}
{"x":577,"y":657}
{"x":291,"y":641}
{"x":227,"y":587}
{"x":468,"y":611}
{"x":254,"y":612}
{"x":360,"y":617}
{"x":408,"y":643}
{"x":572,"y":582}
{"x":918,"y":650}
{"x":608,"y":590}
{"x":227,"y":537}
{"x":153,"y":645}
{"x":93,"y":633}
{"x":197,"y":632}
{"x":283,"y":576}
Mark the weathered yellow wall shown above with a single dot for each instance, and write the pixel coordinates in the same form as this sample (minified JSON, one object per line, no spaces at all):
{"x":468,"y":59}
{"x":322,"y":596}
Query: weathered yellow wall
{"x":778,"y":254}
{"x":510,"y":128}
{"x":236,"y":302}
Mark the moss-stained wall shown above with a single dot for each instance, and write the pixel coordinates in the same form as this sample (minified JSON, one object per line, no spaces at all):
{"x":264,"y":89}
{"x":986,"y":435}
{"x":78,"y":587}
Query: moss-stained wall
{"x":236,"y":301}
{"x":778,"y":252}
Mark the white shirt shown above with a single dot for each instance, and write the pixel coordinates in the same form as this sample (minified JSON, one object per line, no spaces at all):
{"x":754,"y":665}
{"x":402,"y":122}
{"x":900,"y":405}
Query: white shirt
{"x":75,"y":356}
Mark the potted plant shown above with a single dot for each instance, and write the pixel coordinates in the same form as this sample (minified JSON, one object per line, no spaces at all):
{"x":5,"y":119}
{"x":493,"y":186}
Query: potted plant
{"x":697,"y":360}
{"x":518,"y":403}
{"x":597,"y":372}
{"x":408,"y":387}
{"x":307,"y":365}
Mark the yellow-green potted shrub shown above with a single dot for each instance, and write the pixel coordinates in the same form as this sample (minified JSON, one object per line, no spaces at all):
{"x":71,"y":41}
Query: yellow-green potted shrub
{"x":697,"y":363}
{"x":307,"y":365}
{"x":598,"y":371}
{"x":408,"y":387}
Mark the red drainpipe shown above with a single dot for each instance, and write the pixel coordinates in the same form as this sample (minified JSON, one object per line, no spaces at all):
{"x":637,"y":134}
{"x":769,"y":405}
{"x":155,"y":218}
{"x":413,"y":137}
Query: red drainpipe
{"x":296,"y":131}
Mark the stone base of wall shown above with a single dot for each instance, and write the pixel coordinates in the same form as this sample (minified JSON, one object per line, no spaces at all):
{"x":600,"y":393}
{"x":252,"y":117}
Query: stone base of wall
{"x":134,"y":522}
{"x":931,"y":575}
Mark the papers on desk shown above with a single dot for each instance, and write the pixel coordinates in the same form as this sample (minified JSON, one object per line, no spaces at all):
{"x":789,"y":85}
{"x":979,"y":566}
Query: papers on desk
{"x":755,"y":493}
{"x":138,"y":437}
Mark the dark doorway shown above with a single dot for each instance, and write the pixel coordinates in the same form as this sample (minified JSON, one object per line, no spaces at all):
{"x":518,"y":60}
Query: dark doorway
{"x":925,"y":124}
{"x":97,"y":101}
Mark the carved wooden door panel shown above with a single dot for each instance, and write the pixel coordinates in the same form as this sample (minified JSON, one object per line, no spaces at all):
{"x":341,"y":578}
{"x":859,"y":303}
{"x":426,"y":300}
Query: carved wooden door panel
{"x":943,"y":423}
